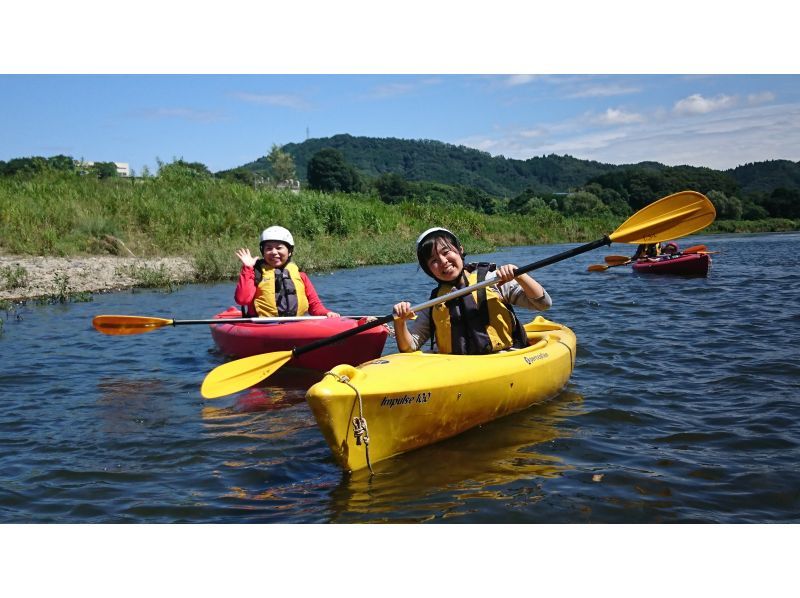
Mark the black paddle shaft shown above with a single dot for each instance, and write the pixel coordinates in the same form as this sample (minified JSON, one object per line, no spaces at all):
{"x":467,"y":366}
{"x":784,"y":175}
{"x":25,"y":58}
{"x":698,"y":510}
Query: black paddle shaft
{"x":454,"y":294}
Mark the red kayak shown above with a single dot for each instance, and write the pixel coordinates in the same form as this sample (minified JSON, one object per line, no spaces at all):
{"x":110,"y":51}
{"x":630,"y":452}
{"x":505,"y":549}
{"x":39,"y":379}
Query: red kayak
{"x":686,"y":264}
{"x":244,"y":339}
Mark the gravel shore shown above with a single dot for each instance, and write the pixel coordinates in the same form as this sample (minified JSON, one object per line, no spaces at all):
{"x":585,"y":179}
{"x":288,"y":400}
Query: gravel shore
{"x":47,"y":276}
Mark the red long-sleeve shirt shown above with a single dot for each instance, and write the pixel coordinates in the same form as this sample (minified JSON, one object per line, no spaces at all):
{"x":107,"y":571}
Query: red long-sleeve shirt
{"x":246,"y":289}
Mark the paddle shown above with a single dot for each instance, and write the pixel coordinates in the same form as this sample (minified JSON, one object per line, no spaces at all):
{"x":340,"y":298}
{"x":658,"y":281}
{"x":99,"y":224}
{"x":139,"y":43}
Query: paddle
{"x":695,"y":249}
{"x":670,"y":217}
{"x":603,"y":267}
{"x":616,"y":260}
{"x":119,"y":325}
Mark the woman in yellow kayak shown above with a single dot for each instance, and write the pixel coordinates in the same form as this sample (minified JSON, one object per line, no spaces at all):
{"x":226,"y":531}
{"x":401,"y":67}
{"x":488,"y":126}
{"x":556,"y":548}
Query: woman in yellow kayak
{"x":273,"y":285}
{"x":478,"y":323}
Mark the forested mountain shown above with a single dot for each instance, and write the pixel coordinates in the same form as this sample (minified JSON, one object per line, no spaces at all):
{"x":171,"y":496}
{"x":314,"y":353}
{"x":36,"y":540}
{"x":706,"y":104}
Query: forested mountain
{"x":426,"y":160}
{"x":434,"y":161}
{"x":767,"y":176}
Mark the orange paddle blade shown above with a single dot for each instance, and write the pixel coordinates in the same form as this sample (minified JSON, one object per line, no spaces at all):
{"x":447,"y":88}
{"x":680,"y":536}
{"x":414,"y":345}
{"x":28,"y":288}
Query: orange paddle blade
{"x":598,"y":268}
{"x":118,"y":325}
{"x":615,"y":260}
{"x":694,"y":249}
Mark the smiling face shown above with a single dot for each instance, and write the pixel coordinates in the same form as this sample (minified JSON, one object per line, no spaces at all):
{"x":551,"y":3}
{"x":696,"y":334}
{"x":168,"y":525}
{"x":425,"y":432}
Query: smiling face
{"x":275,"y":253}
{"x":445,"y":261}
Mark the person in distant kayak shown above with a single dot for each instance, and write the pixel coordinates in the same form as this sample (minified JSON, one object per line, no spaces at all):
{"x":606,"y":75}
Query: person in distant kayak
{"x":273,"y":286}
{"x":670,"y":248}
{"x":647,"y":250}
{"x":477,"y":323}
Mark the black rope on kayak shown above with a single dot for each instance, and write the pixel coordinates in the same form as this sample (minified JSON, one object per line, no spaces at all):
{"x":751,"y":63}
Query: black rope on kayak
{"x":360,"y":431}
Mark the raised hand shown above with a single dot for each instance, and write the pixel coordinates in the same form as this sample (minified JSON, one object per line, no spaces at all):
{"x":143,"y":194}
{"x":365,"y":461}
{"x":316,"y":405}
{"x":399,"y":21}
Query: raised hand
{"x":244,"y":255}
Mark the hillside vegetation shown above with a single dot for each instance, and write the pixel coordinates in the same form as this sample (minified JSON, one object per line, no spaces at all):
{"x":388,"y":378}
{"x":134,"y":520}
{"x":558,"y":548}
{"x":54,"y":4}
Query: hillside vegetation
{"x":344,"y":217}
{"x":208,"y":219}
{"x":426,"y":160}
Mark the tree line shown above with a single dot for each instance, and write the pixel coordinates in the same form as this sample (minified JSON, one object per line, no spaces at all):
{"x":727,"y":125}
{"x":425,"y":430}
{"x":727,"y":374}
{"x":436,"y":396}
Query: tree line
{"x":617,"y":192}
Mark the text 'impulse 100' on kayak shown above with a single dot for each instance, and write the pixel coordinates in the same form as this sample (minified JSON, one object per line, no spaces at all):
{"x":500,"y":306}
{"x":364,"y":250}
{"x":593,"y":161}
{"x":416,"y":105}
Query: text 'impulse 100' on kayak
{"x":410,"y":400}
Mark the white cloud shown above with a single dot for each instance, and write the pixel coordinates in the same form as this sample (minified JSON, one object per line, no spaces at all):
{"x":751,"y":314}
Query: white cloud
{"x":719,"y":140}
{"x":275,"y":99}
{"x":515,"y":80}
{"x":764,"y":97}
{"x":529,"y":133}
{"x":697,"y":104}
{"x":182,"y":113}
{"x":602,"y":91}
{"x":391,"y":90}
{"x":614,"y":116}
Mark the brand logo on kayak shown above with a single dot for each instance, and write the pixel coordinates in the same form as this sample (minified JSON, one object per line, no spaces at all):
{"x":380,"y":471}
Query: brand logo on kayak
{"x":405,"y":400}
{"x":376,"y":362}
{"x":530,"y":360}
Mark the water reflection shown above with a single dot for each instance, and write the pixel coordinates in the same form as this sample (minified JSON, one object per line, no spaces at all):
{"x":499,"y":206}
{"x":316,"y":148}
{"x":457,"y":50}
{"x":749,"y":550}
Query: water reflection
{"x":482,"y":464}
{"x":285,"y":388}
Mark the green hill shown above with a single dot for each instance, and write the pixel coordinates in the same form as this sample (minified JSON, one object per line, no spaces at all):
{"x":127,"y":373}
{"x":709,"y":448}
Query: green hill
{"x":426,"y":160}
{"x":434,"y":161}
{"x":767,"y":176}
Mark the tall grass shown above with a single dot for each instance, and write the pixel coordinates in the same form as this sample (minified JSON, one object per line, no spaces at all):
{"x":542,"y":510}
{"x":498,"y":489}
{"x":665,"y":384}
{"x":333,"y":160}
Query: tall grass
{"x":208,"y":219}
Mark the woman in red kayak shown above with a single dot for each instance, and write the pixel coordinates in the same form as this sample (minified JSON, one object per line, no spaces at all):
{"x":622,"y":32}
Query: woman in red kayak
{"x":273,"y":286}
{"x":474,"y":324}
{"x":654,"y":250}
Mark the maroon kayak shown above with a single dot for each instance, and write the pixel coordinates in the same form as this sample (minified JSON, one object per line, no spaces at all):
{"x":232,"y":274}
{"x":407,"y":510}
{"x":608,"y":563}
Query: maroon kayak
{"x":687,"y":264}
{"x":246,"y":339}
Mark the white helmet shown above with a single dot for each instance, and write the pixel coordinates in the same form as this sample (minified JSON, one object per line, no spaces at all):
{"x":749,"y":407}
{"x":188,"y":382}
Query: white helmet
{"x":277,"y":233}
{"x":434,"y":230}
{"x":423,"y":262}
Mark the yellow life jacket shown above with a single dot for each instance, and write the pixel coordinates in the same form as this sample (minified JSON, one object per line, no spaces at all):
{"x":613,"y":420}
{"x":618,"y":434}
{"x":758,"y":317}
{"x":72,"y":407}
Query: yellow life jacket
{"x":478,"y":323}
{"x":281,"y":295}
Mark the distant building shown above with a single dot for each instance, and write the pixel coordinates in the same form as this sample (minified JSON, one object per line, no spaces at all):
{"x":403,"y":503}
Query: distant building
{"x":292,"y":184}
{"x":123,"y":168}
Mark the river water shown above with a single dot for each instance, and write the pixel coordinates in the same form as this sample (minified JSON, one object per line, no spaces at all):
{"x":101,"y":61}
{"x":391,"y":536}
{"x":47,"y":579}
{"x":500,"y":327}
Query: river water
{"x":683,"y":407}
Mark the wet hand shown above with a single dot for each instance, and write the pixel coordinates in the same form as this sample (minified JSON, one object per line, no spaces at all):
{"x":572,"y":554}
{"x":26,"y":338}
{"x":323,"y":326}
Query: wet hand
{"x":244,"y":256}
{"x":332,"y":314}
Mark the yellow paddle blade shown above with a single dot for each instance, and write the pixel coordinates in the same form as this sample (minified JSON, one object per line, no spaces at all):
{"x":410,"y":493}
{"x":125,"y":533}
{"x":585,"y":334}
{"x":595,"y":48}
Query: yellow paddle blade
{"x":598,"y":268}
{"x":617,"y":259}
{"x":668,"y":218}
{"x":117,"y":325}
{"x":237,"y":375}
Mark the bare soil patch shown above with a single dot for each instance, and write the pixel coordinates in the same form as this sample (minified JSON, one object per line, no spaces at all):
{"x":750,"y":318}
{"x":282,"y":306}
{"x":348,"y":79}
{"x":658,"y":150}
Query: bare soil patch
{"x":47,"y":276}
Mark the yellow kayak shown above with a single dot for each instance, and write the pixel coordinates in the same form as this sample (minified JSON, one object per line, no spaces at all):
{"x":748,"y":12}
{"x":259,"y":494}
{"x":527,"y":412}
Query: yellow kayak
{"x":410,"y":400}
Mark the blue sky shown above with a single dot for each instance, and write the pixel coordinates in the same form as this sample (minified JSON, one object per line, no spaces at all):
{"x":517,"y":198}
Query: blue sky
{"x":221,"y":84}
{"x":224,"y":121}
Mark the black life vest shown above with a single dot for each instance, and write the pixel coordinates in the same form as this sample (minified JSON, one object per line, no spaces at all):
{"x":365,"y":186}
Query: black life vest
{"x":477,"y":323}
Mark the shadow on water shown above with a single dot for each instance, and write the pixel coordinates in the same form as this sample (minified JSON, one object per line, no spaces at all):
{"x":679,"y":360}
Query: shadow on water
{"x":498,"y":462}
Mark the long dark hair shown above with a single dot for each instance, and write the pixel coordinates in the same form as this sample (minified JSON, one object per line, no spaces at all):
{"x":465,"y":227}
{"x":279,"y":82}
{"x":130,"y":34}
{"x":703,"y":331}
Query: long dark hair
{"x":431,"y":243}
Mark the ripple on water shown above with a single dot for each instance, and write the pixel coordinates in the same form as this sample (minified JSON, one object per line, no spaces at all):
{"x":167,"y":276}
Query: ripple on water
{"x":682,"y":408}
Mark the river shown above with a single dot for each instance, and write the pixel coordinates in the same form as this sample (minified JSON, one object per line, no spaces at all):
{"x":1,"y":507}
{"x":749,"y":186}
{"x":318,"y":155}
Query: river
{"x":683,"y":407}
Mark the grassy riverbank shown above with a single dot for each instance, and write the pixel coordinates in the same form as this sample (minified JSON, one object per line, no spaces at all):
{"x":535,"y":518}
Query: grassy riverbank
{"x":206,"y":220}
